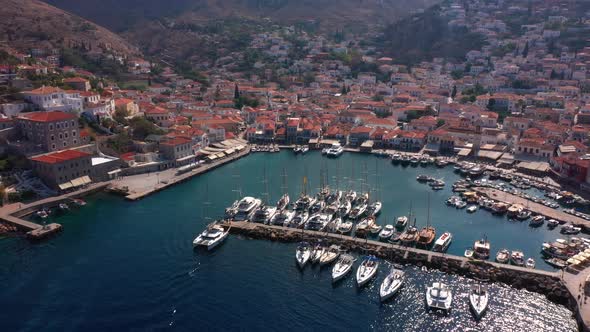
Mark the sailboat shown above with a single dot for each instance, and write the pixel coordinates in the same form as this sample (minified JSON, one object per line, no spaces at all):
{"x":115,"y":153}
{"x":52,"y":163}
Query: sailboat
{"x":410,"y":235}
{"x":478,"y":300}
{"x":264,"y":213}
{"x":302,"y":254}
{"x":427,"y":234}
{"x":367,"y":270}
{"x":285,"y":199}
{"x":391,"y":284}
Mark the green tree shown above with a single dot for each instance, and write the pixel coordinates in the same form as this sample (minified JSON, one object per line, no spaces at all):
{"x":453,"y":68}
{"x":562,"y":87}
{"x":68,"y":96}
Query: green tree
{"x":454,"y":92}
{"x":525,"y":51}
{"x":491,"y":104}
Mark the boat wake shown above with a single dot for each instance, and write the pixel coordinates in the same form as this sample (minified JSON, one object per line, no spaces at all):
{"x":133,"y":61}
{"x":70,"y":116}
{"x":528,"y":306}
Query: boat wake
{"x":192,"y":272}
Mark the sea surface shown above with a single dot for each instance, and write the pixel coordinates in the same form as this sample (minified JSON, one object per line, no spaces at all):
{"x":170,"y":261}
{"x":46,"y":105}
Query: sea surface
{"x":130,"y":266}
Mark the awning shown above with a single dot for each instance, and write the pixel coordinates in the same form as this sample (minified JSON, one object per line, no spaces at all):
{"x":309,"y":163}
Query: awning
{"x":464,"y":152}
{"x":65,"y":185}
{"x":117,"y":171}
{"x":212,"y":157}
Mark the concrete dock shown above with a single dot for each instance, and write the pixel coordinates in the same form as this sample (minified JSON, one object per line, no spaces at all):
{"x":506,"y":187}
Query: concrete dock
{"x":537,"y":208}
{"x":139,"y":186}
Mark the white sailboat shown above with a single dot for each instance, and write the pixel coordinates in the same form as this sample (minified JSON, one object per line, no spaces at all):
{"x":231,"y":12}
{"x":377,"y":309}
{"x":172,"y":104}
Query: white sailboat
{"x":478,"y":300}
{"x":342,"y":267}
{"x":330,"y":255}
{"x":303,"y":254}
{"x":367,"y":270}
{"x":391,"y":284}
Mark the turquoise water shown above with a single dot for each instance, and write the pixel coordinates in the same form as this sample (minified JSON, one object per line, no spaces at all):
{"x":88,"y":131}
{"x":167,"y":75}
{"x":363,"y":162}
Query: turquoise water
{"x":130,"y":266}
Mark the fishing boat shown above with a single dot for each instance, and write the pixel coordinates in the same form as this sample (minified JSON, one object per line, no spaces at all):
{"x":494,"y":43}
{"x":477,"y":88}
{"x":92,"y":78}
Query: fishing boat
{"x":375,"y":228}
{"x":439,"y":296}
{"x":409,"y":236}
{"x":426,"y":237}
{"x":367,"y":270}
{"x":478,"y":300}
{"x":443,"y":242}
{"x":537,"y":221}
{"x":318,"y":222}
{"x":303,"y":254}
{"x":282,"y":218}
{"x":246,"y":206}
{"x":517,"y":258}
{"x":345,"y":227}
{"x":503,"y":256}
{"x":530,"y":263}
{"x":386,"y":232}
{"x":391,"y":284}
{"x":283,"y":202}
{"x":513,"y":210}
{"x":211,"y":237}
{"x":342,"y":267}
{"x":405,"y":160}
{"x":330,"y":255}
{"x":335,"y":150}
{"x":374,"y":208}
{"x":499,"y":208}
{"x":414,"y":161}
{"x":318,"y":251}
{"x":401,"y":222}
{"x":481,"y":249}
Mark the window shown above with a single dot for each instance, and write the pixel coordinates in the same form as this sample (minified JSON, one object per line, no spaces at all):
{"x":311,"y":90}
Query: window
{"x":52,"y":146}
{"x":66,"y":135}
{"x":53,"y":137}
{"x":65,"y":143}
{"x":50,"y":127}
{"x":73,"y":133}
{"x":75,"y":141}
{"x":61,"y":136}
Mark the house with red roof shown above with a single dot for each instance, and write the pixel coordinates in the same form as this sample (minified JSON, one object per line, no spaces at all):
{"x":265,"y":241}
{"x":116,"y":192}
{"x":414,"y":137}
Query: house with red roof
{"x":359,"y":134}
{"x":63,"y":169}
{"x":78,"y":83}
{"x":534,"y":146}
{"x":50,"y":98}
{"x":50,"y":131}
{"x":178,"y":151}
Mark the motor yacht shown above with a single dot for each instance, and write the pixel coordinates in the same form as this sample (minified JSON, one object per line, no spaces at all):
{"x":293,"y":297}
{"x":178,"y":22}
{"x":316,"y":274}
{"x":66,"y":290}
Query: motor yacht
{"x":335,"y":150}
{"x":246,"y":206}
{"x":537,"y":221}
{"x":211,"y":237}
{"x":401,"y":222}
{"x":299,"y":220}
{"x":481,"y":249}
{"x":263,"y":214}
{"x":282,"y":218}
{"x":351,"y":196}
{"x":570,"y":229}
{"x":517,"y":258}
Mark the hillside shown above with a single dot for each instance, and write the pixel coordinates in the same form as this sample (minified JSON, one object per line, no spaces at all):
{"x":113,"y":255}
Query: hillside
{"x":425,"y":36}
{"x":123,"y":14}
{"x":34,"y":24}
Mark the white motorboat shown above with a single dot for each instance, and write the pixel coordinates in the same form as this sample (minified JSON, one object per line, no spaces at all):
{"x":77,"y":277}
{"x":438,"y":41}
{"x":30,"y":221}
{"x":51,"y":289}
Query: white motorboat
{"x":439,"y":296}
{"x":304,"y":202}
{"x":345,"y":227}
{"x":386,"y":233}
{"x":304,"y":149}
{"x":472,"y":208}
{"x":468,"y":253}
{"x":334,"y":224}
{"x":503,"y":256}
{"x":367,"y":270}
{"x":552,"y":223}
{"x":42,"y":214}
{"x":263,"y":214}
{"x":570,"y":229}
{"x":246,"y":206}
{"x":211,"y":237}
{"x":64,"y":206}
{"x":517,"y":258}
{"x":283,"y":202}
{"x":317,"y":253}
{"x":530,"y":263}
{"x":325,"y":151}
{"x":303,"y":254}
{"x":330,"y":255}
{"x":443,"y":242}
{"x":391,"y":284}
{"x":296,"y":149}
{"x":282,"y":218}
{"x":374,"y":208}
{"x":335,"y":150}
{"x":318,"y":221}
{"x":351,"y":196}
{"x":358,"y":211}
{"x":401,"y":222}
{"x":478,"y":300}
{"x":537,"y":221}
{"x":231,"y":211}
{"x":342,"y":267}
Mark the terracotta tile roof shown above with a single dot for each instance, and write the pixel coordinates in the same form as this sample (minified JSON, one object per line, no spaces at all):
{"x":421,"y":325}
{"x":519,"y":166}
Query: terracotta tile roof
{"x":61,"y":156}
{"x":175,"y":141}
{"x":47,"y":116}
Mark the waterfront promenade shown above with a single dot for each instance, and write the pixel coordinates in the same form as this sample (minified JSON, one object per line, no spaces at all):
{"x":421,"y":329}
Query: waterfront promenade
{"x":537,"y":208}
{"x":139,"y":186}
{"x":575,"y":285}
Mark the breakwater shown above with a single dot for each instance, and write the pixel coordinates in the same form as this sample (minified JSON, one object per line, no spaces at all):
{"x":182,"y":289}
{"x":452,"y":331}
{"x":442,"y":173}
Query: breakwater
{"x":547,"y":283}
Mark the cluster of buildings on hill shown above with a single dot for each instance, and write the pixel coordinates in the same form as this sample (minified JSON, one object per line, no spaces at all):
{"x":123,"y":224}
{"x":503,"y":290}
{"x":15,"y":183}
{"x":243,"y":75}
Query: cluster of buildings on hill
{"x":521,"y":100}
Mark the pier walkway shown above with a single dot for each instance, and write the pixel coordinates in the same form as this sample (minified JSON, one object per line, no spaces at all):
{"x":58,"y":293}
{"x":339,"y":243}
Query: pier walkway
{"x":575,"y":283}
{"x":537,"y":208}
{"x":238,"y":226}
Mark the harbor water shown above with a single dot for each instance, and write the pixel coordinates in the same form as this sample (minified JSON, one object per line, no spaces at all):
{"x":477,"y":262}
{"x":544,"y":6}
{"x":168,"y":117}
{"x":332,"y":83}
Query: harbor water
{"x":120,"y":265}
